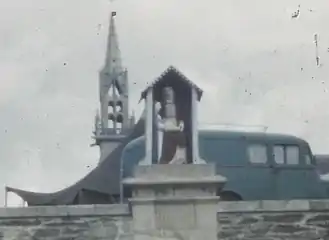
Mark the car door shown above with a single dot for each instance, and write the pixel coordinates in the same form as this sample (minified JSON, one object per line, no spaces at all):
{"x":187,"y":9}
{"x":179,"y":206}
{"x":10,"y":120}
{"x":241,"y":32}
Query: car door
{"x":288,"y":173}
{"x":259,"y":181}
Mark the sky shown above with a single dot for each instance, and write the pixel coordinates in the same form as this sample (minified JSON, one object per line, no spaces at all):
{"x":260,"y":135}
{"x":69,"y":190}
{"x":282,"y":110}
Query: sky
{"x":254,"y":61}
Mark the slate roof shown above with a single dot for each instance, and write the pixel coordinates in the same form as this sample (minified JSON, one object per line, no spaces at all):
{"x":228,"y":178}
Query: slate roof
{"x":167,"y":72}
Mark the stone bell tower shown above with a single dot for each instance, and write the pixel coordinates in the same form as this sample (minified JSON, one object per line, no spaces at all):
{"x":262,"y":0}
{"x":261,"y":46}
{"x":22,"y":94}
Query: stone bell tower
{"x":113,"y":123}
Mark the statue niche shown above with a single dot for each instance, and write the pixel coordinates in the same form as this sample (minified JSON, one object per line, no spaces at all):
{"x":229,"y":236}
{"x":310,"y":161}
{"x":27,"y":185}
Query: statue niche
{"x":175,"y":127}
{"x":178,"y":99}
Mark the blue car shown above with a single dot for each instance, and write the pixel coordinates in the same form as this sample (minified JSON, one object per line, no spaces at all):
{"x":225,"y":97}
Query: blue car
{"x":257,"y":165}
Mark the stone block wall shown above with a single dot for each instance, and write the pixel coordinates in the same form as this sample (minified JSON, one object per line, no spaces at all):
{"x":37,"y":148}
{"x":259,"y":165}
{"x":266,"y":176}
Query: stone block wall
{"x":274,"y":220}
{"x":258,"y":220}
{"x":110,"y":222}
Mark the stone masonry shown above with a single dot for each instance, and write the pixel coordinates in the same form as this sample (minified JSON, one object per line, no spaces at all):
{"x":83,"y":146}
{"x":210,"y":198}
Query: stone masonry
{"x":64,"y":228}
{"x":258,"y":220}
{"x":66,"y":223}
{"x":274,"y":220}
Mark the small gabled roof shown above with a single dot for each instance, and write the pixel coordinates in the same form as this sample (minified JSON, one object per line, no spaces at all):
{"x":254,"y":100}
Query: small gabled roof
{"x":163,"y":77}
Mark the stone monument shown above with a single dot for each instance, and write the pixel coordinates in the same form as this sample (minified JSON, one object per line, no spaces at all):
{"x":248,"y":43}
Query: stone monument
{"x":173,"y":193}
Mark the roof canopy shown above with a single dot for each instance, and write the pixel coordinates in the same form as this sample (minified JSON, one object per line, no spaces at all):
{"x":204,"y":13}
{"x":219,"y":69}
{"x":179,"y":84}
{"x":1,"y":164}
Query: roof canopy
{"x":170,"y":77}
{"x":96,"y":187}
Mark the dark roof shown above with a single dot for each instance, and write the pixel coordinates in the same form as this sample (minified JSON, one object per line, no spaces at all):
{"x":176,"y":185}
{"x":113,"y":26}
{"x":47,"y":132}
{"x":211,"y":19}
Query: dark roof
{"x":169,"y":72}
{"x":254,"y":136}
{"x":104,"y":179}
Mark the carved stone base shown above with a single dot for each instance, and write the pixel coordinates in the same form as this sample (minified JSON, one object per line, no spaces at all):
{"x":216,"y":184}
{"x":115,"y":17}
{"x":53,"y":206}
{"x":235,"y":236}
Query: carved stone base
{"x":175,"y":201}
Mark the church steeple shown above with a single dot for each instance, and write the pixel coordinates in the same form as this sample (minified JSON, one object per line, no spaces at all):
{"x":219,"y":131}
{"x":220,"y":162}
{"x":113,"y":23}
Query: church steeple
{"x":113,"y":55}
{"x":114,"y":119}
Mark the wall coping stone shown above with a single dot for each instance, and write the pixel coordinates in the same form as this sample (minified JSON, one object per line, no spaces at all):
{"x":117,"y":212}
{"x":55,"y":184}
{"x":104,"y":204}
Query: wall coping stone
{"x":174,"y":199}
{"x":124,"y":209}
{"x":274,"y":206}
{"x":65,"y":211}
{"x":174,"y":181}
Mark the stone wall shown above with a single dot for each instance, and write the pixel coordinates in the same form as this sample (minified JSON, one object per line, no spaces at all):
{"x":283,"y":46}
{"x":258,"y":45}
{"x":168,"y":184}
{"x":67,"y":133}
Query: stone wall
{"x":259,"y":220}
{"x":66,"y":223}
{"x":274,"y":220}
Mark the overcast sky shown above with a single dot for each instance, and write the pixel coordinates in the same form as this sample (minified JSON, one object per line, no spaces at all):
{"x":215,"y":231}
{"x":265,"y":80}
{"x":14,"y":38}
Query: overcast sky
{"x":254,"y":61}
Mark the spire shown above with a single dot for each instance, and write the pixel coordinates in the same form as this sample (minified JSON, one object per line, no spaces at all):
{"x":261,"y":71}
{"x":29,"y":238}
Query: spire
{"x":113,"y":83}
{"x":113,"y":55}
{"x":114,"y":121}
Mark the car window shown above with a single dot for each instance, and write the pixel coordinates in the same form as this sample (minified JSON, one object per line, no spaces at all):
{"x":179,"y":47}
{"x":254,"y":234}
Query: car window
{"x":292,"y":155}
{"x":287,"y":154}
{"x":257,"y":153}
{"x":278,"y":152}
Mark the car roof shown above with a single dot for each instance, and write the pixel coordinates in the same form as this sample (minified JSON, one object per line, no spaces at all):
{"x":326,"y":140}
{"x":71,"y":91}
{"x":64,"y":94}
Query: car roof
{"x":251,"y":136}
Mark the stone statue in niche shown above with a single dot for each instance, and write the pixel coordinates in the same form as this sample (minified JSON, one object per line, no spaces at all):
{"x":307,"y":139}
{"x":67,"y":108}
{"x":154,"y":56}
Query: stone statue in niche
{"x":174,"y":142}
{"x":176,"y":139}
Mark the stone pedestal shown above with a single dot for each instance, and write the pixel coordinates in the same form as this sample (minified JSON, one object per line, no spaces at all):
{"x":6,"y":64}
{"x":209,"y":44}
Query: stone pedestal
{"x":175,"y":201}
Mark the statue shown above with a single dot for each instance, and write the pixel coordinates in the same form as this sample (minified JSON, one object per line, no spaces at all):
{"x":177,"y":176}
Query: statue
{"x":178,"y":98}
{"x":173,"y":143}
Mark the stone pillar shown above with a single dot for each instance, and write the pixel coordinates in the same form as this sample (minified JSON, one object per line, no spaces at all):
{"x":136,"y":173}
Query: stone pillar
{"x":149,"y":128}
{"x":175,"y":201}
